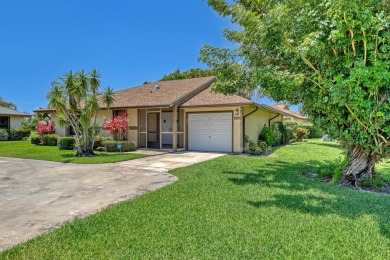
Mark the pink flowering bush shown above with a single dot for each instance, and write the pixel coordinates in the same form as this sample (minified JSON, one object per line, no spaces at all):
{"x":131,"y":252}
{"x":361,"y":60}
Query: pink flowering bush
{"x":44,"y":128}
{"x":117,"y":126}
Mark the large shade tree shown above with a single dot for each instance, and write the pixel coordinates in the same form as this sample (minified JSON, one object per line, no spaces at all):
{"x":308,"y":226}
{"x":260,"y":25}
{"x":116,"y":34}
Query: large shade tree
{"x":78,"y":102}
{"x":330,"y":56}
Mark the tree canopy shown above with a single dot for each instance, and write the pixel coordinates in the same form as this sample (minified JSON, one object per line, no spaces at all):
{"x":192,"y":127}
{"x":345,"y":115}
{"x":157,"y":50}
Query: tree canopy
{"x":191,"y":73}
{"x":5,"y":103}
{"x":330,"y":56}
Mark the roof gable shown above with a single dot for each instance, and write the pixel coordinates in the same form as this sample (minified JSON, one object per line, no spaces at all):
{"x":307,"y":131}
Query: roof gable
{"x":207,"y":97}
{"x":287,"y":111}
{"x":163,"y":93}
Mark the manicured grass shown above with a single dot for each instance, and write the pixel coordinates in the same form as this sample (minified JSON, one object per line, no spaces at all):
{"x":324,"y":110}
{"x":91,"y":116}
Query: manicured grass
{"x":384,"y":168}
{"x":233,"y":207}
{"x":26,"y":150}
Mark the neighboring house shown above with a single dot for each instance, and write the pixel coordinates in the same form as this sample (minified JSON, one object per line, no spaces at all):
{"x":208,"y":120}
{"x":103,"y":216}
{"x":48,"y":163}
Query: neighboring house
{"x":187,"y":114}
{"x":11,"y":118}
{"x":291,"y":115}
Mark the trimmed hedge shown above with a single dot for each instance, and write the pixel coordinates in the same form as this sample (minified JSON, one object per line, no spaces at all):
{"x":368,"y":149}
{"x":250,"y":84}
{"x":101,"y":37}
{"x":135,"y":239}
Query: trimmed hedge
{"x":34,"y":139}
{"x":18,"y":134}
{"x":99,"y":140}
{"x":50,"y":139}
{"x":66,"y":143}
{"x":111,"y":146}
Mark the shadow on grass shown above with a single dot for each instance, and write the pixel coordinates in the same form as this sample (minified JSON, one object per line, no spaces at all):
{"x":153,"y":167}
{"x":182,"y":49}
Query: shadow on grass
{"x":311,"y":197}
{"x":333,"y":145}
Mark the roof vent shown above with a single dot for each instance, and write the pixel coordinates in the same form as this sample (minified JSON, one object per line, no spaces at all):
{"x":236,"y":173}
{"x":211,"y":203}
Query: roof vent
{"x":157,"y":87}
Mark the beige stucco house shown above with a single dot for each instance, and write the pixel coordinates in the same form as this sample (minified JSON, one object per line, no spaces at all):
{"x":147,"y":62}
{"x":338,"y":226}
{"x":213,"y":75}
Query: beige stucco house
{"x":186,"y":114}
{"x":11,"y":118}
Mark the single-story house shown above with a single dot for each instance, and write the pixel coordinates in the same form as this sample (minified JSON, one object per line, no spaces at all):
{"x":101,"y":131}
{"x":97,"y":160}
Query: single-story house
{"x":11,"y":118}
{"x":186,"y":114}
{"x":291,"y":115}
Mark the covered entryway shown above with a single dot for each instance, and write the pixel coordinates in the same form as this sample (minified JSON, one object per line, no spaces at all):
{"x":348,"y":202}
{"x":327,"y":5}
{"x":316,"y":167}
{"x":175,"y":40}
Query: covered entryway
{"x":210,"y":132}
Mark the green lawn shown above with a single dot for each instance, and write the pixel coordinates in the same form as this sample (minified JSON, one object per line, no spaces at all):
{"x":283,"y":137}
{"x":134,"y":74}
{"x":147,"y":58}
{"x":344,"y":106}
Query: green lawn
{"x":24,"y":149}
{"x":233,"y":207}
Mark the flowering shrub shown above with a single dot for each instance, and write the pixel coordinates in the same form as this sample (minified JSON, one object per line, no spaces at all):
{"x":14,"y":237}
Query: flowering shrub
{"x":302,"y":133}
{"x":44,"y":128}
{"x":117,"y":126}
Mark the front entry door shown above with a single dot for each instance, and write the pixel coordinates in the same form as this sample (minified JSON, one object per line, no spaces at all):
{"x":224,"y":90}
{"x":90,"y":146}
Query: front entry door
{"x":154,"y":130}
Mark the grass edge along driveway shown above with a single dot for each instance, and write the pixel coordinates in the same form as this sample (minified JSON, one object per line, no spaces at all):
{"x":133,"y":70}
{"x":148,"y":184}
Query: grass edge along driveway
{"x":26,"y":150}
{"x":233,"y":207}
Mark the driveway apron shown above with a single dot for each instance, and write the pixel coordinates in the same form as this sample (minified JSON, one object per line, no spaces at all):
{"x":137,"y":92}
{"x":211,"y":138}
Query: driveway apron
{"x":39,"y":196}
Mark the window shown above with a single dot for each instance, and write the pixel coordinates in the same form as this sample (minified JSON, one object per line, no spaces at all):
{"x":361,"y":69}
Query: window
{"x":4,"y":122}
{"x":118,"y":113}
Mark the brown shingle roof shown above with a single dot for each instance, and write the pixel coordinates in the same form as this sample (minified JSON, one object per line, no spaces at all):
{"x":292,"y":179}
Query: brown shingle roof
{"x":286,"y":110}
{"x":209,"y":98}
{"x":184,"y":93}
{"x":166,"y":94}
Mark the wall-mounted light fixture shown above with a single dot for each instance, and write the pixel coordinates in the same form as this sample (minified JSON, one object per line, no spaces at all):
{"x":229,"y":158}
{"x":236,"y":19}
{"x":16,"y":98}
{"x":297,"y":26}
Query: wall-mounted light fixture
{"x":236,"y":112}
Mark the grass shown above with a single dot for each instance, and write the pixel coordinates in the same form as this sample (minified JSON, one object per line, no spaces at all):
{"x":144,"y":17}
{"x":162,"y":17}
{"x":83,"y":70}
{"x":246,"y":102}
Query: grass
{"x":233,"y":207}
{"x":384,"y":168}
{"x":26,"y":150}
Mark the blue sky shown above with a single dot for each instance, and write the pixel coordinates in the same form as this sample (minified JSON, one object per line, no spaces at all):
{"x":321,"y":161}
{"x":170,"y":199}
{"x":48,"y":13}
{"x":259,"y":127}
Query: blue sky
{"x":129,"y":42}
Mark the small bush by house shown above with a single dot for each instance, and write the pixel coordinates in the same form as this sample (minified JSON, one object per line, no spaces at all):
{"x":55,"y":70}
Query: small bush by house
{"x":35,"y":139}
{"x":302,"y":133}
{"x":4,"y":134}
{"x":66,"y":143}
{"x":270,"y":135}
{"x":99,"y":140}
{"x":314,"y":131}
{"x":18,"y":134}
{"x":50,"y":140}
{"x":112,"y":146}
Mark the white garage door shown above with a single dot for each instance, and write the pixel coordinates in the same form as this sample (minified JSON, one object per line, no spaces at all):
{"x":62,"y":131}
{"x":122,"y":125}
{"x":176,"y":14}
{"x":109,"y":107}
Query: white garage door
{"x":210,"y":132}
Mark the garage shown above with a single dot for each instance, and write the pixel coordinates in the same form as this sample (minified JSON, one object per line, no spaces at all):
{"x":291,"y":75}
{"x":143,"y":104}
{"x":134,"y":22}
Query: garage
{"x":210,"y":132}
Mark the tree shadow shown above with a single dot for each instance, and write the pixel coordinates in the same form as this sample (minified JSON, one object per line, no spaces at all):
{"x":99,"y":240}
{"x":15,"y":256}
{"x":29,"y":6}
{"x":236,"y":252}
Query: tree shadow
{"x":333,"y":145}
{"x":312,"y":197}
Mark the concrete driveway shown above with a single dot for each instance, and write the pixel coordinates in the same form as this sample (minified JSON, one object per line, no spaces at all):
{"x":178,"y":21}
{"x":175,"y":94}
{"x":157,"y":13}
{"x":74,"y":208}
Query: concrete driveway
{"x":38,"y":196}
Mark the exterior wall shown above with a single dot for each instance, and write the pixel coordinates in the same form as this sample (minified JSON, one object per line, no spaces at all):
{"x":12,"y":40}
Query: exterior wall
{"x":255,"y":122}
{"x":132,"y":134}
{"x":237,"y":123}
{"x":15,"y":121}
{"x":62,"y":131}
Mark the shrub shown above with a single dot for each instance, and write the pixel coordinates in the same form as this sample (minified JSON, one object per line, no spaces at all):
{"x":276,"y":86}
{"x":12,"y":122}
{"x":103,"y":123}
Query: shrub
{"x":270,"y":135}
{"x":117,"y":126}
{"x":44,"y":128}
{"x":314,"y":131}
{"x":112,"y":146}
{"x":99,"y":140}
{"x":66,"y":143}
{"x":281,"y":130}
{"x":302,"y":133}
{"x":254,"y":148}
{"x":18,"y":134}
{"x":35,"y":139}
{"x":3,"y":134}
{"x":291,"y":128}
{"x":50,"y":140}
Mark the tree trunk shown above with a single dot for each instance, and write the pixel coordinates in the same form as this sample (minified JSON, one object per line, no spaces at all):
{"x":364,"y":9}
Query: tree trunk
{"x":360,"y":166}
